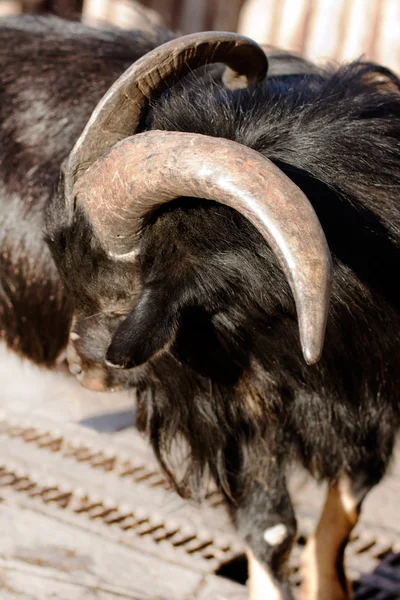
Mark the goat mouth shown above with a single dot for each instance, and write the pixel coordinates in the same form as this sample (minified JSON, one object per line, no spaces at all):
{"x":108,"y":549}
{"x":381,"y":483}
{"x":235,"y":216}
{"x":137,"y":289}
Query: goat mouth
{"x":98,"y":382}
{"x":95,"y":384}
{"x":94,"y":377}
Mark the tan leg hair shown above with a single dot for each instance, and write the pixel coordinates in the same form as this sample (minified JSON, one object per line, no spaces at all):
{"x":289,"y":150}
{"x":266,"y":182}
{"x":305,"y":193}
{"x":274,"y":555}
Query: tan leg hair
{"x":322,"y":565}
{"x":261,"y":585}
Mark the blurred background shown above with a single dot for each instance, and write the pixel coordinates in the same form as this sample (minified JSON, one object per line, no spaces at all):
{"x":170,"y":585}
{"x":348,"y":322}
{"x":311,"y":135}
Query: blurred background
{"x":319,"y":29}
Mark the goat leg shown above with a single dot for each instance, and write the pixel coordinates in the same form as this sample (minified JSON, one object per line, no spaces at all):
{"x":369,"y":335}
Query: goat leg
{"x":266,"y":520}
{"x":324,"y":576}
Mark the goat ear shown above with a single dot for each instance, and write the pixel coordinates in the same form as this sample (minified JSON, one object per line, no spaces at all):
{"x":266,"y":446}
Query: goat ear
{"x":146,"y":331}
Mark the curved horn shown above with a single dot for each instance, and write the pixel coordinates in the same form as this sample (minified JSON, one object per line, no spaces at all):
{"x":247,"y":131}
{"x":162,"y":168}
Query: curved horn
{"x":143,"y":172}
{"x":281,"y":63}
{"x":119,"y":113}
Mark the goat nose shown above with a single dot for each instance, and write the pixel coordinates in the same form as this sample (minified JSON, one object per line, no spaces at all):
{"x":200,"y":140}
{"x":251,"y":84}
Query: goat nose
{"x":93,"y":384}
{"x":94,"y":378}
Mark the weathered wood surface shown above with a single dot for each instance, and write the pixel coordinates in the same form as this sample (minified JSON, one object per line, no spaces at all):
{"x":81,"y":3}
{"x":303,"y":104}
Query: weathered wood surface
{"x":320,"y":29}
{"x":126,"y":14}
{"x":59,"y":539}
{"x":86,"y":515}
{"x":66,"y":562}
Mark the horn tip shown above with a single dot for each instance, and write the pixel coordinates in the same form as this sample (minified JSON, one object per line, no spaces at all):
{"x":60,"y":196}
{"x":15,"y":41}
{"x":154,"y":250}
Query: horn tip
{"x":312,"y":346}
{"x":312,"y":356}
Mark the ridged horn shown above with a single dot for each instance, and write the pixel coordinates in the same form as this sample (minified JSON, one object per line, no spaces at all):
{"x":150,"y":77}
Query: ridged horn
{"x":145,"y":171}
{"x":280,"y":64}
{"x":119,"y":113}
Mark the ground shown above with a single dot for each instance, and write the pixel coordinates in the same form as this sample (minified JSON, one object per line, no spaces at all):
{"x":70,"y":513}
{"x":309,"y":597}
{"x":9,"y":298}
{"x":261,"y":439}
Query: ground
{"x":85,"y":513}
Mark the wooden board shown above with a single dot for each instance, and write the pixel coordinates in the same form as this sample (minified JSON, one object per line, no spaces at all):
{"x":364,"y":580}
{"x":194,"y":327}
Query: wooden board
{"x":89,"y":515}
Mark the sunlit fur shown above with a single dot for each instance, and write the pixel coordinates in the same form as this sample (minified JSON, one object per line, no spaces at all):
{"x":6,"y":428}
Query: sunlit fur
{"x":52,"y":74}
{"x":216,"y":312}
{"x":207,"y":314}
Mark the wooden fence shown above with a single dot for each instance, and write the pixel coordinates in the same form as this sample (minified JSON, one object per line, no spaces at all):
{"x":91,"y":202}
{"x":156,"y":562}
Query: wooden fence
{"x":335,"y":29}
{"x":320,"y":29}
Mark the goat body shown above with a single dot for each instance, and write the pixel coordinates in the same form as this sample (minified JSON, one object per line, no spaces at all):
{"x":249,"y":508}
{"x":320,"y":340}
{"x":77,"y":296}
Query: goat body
{"x":205,"y":313}
{"x":52,"y":74}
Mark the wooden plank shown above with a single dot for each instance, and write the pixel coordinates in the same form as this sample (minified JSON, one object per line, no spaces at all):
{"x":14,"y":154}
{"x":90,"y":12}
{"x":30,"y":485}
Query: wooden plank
{"x":33,"y":394}
{"x":321,"y":29}
{"x":119,"y":495}
{"x":55,"y":395}
{"x":10,"y":7}
{"x":212,"y":589}
{"x":32,"y":584}
{"x":225,"y":15}
{"x":59,"y":557}
{"x":15,"y":583}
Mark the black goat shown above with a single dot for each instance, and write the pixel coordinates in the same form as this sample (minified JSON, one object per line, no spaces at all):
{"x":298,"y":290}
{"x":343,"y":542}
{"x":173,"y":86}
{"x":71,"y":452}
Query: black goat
{"x":52,"y":74}
{"x":189,"y":292}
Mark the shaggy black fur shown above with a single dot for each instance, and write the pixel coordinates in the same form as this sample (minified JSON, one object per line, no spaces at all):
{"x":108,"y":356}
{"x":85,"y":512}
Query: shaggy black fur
{"x":206,"y":315}
{"x":52,"y":74}
{"x":213,"y":296}
{"x":214,"y":292}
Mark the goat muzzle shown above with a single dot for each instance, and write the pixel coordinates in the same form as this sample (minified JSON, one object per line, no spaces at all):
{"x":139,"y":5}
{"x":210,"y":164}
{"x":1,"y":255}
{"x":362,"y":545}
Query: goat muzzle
{"x":91,"y":376}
